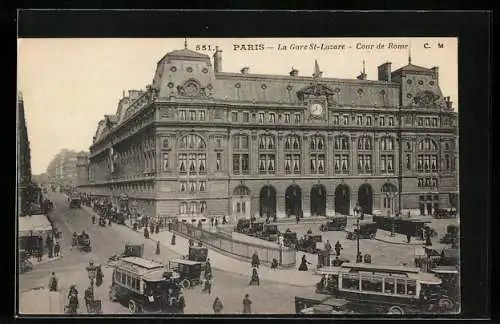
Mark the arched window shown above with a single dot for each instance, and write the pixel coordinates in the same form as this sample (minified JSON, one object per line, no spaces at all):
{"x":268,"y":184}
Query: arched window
{"x":192,"y":155}
{"x":292,"y":154}
{"x":427,"y":156}
{"x":317,"y":154}
{"x":241,"y":191}
{"x":341,"y":154}
{"x":267,"y":154}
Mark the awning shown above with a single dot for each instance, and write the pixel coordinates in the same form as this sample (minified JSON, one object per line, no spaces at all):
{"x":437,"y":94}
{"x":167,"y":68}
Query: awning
{"x":34,"y":225}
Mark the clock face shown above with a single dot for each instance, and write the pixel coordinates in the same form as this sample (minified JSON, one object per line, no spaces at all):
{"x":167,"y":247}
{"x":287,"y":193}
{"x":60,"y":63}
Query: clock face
{"x":316,"y":109}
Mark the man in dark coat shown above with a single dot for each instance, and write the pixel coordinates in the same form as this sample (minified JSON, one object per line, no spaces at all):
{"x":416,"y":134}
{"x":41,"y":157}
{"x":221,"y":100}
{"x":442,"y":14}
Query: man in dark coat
{"x":338,"y":247}
{"x":255,"y":260}
{"x":304,"y":263}
{"x":247,"y":305}
{"x":53,"y":282}
{"x":89,"y":298}
{"x":146,"y":232}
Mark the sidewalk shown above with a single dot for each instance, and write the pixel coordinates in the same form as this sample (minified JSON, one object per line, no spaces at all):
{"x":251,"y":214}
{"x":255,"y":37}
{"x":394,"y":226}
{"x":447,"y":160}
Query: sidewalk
{"x":45,"y":259}
{"x":230,"y":264}
{"x":385,"y":236}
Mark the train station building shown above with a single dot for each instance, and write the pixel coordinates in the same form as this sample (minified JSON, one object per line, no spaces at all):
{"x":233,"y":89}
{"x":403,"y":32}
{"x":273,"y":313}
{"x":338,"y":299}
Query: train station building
{"x":199,"y":142}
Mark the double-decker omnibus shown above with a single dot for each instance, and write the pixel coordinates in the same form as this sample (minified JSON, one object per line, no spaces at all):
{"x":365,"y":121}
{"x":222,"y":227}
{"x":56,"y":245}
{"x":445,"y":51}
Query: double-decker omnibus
{"x":371,"y":288}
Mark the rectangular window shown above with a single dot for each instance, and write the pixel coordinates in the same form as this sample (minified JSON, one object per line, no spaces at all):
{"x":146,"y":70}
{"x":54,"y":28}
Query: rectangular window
{"x":236,"y":142}
{"x":244,"y":142}
{"x":336,"y":120}
{"x":337,"y":163}
{"x":261,"y":118}
{"x":345,"y":163}
{"x":391,"y":121}
{"x":434,"y":162}
{"x":262,"y":163}
{"x":350,"y":282}
{"x":234,"y":116}
{"x":218,"y":164}
{"x":382,"y":164}
{"x":287,"y":118}
{"x":361,"y":163}
{"x":408,"y":162}
{"x":453,"y":163}
{"x":236,"y":164}
{"x":192,"y":115}
{"x":381,"y":121}
{"x":434,"y":122}
{"x":359,"y":120}
{"x":427,"y":121}
{"x":246,"y":117}
{"x":272,"y":118}
{"x":203,"y":186}
{"x":390,"y":164}
{"x":245,"y":163}
{"x":297,"y":119}
{"x":371,"y":283}
{"x":165,"y":161}
{"x":368,"y":120}
{"x":201,"y":115}
{"x":183,"y":186}
{"x":182,"y":163}
{"x":296,"y":163}
{"x":427,"y":164}
{"x":183,"y":115}
{"x":288,"y":163}
{"x":345,"y":120}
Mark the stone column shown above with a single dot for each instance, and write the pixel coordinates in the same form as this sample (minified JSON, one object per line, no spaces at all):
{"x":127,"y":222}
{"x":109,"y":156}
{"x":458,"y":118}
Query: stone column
{"x":353,"y":170}
{"x":305,"y":157}
{"x":280,"y":204}
{"x":329,"y":156}
{"x":376,"y":158}
{"x":306,"y":202}
{"x":254,"y":153}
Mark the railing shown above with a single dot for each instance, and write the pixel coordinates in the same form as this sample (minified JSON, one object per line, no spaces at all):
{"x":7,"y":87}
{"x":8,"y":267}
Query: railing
{"x":285,"y":256}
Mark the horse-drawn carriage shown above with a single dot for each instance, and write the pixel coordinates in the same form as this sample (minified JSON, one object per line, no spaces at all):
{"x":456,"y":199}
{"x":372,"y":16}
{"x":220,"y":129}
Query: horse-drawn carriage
{"x":334,"y":224}
{"x":365,"y":231}
{"x":308,"y":243}
{"x":290,"y":239}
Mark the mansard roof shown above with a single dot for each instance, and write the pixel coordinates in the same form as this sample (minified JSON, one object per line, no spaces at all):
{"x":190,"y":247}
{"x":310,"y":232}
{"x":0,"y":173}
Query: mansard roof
{"x":185,"y":54}
{"x":413,"y":68}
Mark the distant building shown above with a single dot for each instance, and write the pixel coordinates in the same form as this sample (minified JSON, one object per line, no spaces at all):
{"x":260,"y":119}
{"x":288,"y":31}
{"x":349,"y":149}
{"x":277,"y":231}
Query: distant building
{"x":62,"y":170}
{"x":82,"y":169}
{"x":200,"y":142}
{"x":28,"y":193}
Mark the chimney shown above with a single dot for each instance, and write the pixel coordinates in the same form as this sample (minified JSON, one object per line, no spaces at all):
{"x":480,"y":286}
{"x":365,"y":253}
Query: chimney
{"x":294,"y":72}
{"x":245,"y":70}
{"x":449,"y":104}
{"x":435,"y":72}
{"x":217,"y":60}
{"x":384,"y":72}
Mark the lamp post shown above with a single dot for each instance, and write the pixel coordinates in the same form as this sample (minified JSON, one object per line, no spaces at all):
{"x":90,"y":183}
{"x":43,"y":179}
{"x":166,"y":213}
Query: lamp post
{"x":92,"y":272}
{"x":357,"y":211}
{"x":390,"y":201}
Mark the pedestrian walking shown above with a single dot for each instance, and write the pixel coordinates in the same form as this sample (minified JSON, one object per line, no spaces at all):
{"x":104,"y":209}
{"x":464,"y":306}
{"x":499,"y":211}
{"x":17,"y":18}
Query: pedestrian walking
{"x":224,"y":220}
{"x":338,"y":247}
{"x":216,"y":222}
{"x":208,"y":285}
{"x":247,"y":305}
{"x":181,"y":302}
{"x":146,"y":232}
{"x":151,"y":227}
{"x":157,"y":252}
{"x":212,"y":221}
{"x":157,"y":228}
{"x":304,"y":263}
{"x":93,"y":219}
{"x":53,"y":282}
{"x":328,"y":246}
{"x":172,"y":242}
{"x":89,"y":299}
{"x":57,"y":249}
{"x":408,"y":238}
{"x":274,"y":264}
{"x":73,"y":300}
{"x":217,"y":306}
{"x":255,"y":260}
{"x":297,"y":218}
{"x":255,"y":280}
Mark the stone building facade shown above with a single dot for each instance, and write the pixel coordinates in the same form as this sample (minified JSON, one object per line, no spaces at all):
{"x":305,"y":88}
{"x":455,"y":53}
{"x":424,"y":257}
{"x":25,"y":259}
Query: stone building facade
{"x":199,"y":142}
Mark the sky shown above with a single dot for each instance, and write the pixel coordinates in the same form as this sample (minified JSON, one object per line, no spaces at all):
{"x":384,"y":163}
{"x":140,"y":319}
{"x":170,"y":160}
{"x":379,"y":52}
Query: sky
{"x":68,"y":85}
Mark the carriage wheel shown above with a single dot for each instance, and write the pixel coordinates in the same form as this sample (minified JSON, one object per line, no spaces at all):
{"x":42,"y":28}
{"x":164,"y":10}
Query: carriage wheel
{"x":186,"y":283}
{"x":132,"y":307}
{"x":445,"y":304}
{"x":395,"y":310}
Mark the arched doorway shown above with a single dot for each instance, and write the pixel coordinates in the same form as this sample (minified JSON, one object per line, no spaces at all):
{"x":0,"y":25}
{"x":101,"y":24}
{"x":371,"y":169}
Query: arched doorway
{"x":365,"y":198}
{"x":293,"y":200}
{"x":241,"y":202}
{"x":267,"y":202}
{"x":389,"y":193}
{"x":318,"y":200}
{"x":342,"y":199}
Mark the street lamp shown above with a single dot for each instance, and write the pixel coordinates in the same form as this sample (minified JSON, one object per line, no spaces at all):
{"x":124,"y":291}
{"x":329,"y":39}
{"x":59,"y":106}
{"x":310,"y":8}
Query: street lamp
{"x":390,"y":201}
{"x":357,"y":211}
{"x":92,"y":272}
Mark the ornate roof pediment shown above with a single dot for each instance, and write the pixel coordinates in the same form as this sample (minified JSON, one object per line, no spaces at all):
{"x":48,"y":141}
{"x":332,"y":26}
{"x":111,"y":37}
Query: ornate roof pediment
{"x":315,"y":89}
